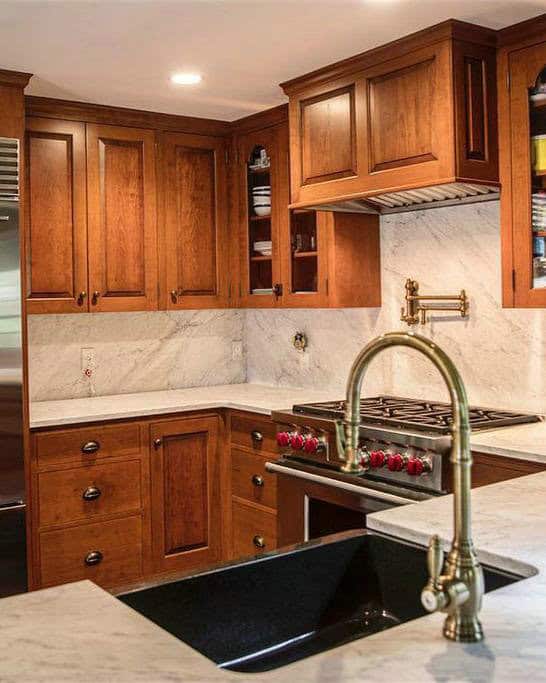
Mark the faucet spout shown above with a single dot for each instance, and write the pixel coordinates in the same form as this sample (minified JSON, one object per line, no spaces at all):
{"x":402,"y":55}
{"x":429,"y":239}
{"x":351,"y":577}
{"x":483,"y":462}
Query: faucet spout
{"x":458,"y":588}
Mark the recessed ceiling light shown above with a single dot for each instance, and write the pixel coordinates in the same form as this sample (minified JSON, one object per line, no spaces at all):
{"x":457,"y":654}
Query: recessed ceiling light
{"x":186,"y":79}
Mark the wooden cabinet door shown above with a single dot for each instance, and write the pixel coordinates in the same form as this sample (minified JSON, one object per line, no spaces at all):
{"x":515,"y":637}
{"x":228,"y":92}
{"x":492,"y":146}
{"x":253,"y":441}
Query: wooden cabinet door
{"x":56,"y":216}
{"x":524,"y":68}
{"x":122,"y":221}
{"x":409,"y":121}
{"x":261,"y":283}
{"x":186,"y":512}
{"x":194,"y":240}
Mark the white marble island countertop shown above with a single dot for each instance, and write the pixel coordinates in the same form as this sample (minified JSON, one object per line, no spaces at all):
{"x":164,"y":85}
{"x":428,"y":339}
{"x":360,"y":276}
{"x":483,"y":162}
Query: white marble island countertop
{"x":79,"y":632}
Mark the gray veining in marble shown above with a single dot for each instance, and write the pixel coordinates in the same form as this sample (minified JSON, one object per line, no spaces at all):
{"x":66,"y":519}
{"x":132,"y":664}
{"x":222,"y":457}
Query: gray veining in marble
{"x":144,"y":351}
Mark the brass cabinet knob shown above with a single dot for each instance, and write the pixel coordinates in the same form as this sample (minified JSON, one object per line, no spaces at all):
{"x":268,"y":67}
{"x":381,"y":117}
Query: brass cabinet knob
{"x":95,"y":298}
{"x":91,"y":493}
{"x":90,"y":447}
{"x":81,"y":298}
{"x":257,"y":480}
{"x":94,"y":557}
{"x":256,"y":436}
{"x":157,"y":443}
{"x":259,"y":541}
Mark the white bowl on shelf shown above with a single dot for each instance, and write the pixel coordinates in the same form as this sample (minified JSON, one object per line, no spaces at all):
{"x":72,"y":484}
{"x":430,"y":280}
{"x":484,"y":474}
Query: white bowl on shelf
{"x":264,"y":210}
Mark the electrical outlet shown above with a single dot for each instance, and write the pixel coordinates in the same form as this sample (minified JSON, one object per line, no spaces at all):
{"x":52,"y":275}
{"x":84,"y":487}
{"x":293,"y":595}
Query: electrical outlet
{"x":88,"y":361}
{"x":236,"y":350}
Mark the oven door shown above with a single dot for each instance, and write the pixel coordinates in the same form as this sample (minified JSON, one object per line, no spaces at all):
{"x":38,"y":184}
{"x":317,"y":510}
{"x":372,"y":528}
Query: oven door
{"x":312,"y":502}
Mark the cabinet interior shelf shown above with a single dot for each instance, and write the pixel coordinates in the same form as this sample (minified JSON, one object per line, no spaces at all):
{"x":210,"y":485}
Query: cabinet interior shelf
{"x":260,"y":258}
{"x":539,"y":233}
{"x":259,"y":171}
{"x":541,"y":104}
{"x":260,"y":218}
{"x":539,"y":174}
{"x":304,"y":254}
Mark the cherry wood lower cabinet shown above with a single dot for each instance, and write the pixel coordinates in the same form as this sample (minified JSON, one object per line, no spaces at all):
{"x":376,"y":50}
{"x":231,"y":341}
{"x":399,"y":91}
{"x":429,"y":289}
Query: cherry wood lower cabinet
{"x":254,"y":490}
{"x":186,"y":500}
{"x":490,"y":469}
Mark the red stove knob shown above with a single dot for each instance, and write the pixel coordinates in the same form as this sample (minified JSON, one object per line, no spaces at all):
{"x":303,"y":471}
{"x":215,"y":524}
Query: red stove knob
{"x":415,"y":466}
{"x":297,"y":441}
{"x":377,"y":458}
{"x":395,"y":462}
{"x":283,"y":439}
{"x":311,"y":444}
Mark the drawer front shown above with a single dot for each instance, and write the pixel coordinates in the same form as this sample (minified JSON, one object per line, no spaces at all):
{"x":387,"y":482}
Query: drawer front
{"x":254,"y":530}
{"x":87,"y":444}
{"x":108,"y":553}
{"x":250,"y":480}
{"x":254,"y":432}
{"x":82,"y":493}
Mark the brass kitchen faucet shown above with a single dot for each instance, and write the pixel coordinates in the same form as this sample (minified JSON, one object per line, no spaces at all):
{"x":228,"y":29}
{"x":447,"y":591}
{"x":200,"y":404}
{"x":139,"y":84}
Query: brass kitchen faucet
{"x":459,"y":589}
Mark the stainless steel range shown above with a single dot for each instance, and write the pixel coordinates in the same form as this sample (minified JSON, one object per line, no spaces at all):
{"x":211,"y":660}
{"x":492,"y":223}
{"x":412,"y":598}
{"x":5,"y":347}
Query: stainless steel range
{"x":404,"y":442}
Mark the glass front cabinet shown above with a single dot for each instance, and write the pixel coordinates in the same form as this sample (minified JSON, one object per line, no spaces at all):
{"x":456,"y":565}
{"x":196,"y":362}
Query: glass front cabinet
{"x":522,"y":120}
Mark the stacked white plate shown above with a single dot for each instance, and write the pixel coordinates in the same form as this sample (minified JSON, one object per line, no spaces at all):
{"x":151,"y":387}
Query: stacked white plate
{"x":264,"y":248}
{"x":538,"y":205}
{"x":261,"y":200}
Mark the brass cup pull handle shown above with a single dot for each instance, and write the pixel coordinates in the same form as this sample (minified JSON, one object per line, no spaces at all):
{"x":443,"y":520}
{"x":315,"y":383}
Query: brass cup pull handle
{"x":157,"y":444}
{"x":81,"y":298}
{"x":93,"y":558}
{"x":90,"y":447}
{"x":256,"y":436}
{"x":174,"y":296}
{"x":257,"y":480}
{"x":91,"y":493}
{"x":95,"y":298}
{"x":259,"y":541}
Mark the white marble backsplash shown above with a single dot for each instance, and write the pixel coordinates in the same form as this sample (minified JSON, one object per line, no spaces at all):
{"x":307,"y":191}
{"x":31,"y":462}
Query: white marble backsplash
{"x":134,"y":352}
{"x":501,"y":353}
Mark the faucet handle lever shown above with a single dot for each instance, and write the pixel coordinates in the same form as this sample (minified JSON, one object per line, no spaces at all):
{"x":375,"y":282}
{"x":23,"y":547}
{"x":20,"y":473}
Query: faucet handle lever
{"x":435,"y":558}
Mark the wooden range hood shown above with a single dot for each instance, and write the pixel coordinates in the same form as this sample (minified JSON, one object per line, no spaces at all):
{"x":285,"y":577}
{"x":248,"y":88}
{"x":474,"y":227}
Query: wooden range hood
{"x":409,"y":125}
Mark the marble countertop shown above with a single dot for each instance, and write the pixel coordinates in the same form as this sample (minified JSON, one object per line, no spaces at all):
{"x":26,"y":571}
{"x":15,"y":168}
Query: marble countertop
{"x":257,"y":398}
{"x":80,"y":632}
{"x":522,"y":441}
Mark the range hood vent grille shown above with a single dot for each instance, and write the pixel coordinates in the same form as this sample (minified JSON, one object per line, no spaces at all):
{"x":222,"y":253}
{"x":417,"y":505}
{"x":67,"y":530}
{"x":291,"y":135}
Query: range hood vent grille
{"x":9,"y":169}
{"x":449,"y":194}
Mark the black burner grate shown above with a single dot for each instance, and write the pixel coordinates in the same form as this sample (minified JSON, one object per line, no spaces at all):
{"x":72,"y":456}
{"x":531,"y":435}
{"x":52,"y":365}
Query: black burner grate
{"x":408,"y":413}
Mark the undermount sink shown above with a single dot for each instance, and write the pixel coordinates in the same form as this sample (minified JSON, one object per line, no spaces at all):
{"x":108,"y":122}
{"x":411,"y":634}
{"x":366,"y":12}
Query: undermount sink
{"x":273,"y":610}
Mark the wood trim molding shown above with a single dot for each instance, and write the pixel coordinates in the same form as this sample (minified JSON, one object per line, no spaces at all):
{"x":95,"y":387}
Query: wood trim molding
{"x":260,"y":120}
{"x":524,"y":33}
{"x":19,"y":78}
{"x":450,"y":29}
{"x":47,"y":107}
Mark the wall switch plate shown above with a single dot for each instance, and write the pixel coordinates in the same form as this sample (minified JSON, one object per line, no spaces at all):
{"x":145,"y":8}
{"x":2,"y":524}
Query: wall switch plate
{"x":88,"y":361}
{"x":236,"y":350}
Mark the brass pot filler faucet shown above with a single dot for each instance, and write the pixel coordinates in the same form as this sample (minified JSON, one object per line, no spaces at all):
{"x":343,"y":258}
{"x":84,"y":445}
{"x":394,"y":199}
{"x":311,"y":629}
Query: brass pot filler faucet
{"x":457,"y":586}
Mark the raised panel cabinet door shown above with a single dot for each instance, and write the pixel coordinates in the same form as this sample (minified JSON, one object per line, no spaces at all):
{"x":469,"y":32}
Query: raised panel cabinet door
{"x":122,"y":221}
{"x":194,"y":240}
{"x":186,"y":513}
{"x":56,"y":216}
{"x":410,"y":120}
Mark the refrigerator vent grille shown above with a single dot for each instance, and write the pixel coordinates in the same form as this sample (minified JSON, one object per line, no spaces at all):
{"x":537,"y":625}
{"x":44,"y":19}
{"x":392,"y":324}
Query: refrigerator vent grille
{"x":9,"y":168}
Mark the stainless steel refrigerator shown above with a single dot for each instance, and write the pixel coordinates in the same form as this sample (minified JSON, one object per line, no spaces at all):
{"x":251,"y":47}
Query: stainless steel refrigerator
{"x":13,"y":576}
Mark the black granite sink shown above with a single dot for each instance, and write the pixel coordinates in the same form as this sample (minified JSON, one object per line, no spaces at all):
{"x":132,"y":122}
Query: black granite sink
{"x":271,"y":611}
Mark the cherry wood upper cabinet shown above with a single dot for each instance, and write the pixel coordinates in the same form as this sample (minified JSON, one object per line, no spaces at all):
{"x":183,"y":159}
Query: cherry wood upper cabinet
{"x":417,"y":112}
{"x":122,"y":221}
{"x":522,"y":127}
{"x":194,"y":202}
{"x":186,"y":512}
{"x":56,"y":216}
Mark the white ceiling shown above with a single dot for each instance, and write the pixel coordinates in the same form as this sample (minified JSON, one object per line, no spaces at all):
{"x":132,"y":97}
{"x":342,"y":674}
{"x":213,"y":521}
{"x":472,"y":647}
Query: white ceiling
{"x":122,"y":52}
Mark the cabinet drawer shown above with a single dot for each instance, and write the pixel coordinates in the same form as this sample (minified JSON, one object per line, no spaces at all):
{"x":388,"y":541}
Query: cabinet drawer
{"x":107,"y":553}
{"x":250,"y":480}
{"x":254,"y":530}
{"x":87,"y":444}
{"x":82,"y":493}
{"x":254,"y":432}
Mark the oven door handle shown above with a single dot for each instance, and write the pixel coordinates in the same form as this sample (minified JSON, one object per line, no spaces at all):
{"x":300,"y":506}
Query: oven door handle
{"x":337,"y":484}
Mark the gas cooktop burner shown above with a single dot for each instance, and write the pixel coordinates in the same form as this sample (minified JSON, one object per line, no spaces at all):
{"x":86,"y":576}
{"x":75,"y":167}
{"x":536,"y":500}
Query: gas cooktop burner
{"x":408,"y":413}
